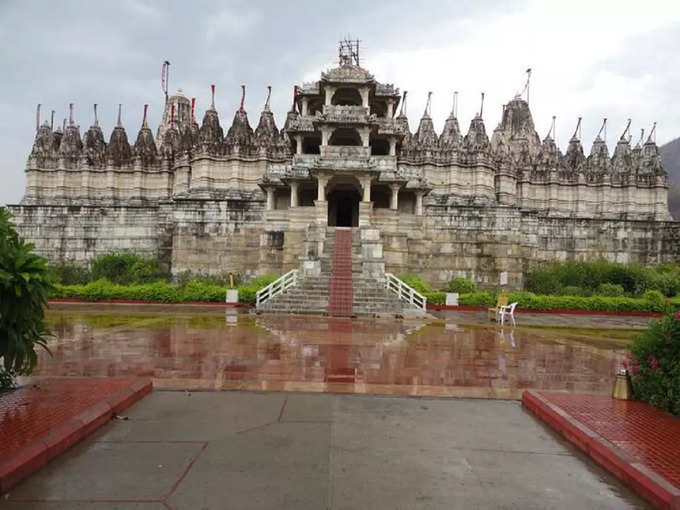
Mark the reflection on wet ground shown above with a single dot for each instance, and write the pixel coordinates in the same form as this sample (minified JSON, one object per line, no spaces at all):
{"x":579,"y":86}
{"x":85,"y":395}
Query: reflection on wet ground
{"x":222,"y":349}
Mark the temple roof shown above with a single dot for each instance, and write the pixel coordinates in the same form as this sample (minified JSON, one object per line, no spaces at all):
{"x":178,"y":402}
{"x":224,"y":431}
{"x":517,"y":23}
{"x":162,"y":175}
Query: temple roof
{"x":347,"y":73}
{"x":240,"y":132}
{"x":145,"y":146}
{"x":118,"y":152}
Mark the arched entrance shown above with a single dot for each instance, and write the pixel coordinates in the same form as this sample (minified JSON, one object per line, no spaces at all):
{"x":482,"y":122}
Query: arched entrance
{"x":343,"y":208}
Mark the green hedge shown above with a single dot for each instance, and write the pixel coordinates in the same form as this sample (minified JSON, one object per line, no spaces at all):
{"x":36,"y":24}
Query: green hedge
{"x":162,"y":291}
{"x":652,"y":302}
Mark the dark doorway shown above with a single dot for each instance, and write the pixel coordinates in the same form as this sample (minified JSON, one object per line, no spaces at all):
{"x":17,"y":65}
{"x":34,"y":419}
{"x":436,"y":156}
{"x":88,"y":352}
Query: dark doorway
{"x":343,"y":208}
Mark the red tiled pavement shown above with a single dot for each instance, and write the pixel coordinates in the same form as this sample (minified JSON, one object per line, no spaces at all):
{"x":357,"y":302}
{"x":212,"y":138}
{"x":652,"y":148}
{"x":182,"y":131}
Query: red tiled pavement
{"x":39,"y":422}
{"x":636,"y":442}
{"x":340,"y":292}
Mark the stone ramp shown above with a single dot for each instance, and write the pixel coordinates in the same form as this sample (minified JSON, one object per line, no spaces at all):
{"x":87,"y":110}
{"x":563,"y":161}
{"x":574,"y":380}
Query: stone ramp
{"x":340,"y":292}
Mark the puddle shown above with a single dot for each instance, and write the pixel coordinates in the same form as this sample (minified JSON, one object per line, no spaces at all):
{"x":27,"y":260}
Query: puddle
{"x":225,"y":349}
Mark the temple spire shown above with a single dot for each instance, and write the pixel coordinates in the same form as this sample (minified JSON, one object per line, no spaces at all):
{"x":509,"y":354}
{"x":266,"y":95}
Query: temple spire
{"x":603,"y":130}
{"x":454,"y":109}
{"x":243,"y":97}
{"x":551,"y":133}
{"x":402,"y":109}
{"x":146,"y":107}
{"x":118,"y":123}
{"x":481,"y":107}
{"x":428,"y":105}
{"x":212,"y":97}
{"x":642,"y":137}
{"x":37,"y":117}
{"x":625,"y":131}
{"x":652,"y":134}
{"x":269,"y":94}
{"x":577,"y":131}
{"x":96,"y":120}
{"x":70,"y":114}
{"x":52,"y":120}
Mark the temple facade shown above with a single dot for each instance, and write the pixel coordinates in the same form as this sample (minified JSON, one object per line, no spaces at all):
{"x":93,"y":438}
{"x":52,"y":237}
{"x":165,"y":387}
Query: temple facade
{"x":256,"y":201}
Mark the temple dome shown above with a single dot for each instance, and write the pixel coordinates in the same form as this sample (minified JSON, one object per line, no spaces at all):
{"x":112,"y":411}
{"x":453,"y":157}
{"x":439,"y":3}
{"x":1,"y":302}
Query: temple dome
{"x":118,"y":152}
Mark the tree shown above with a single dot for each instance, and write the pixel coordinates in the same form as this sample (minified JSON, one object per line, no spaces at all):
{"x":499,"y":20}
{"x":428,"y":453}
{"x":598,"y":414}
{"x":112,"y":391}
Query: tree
{"x":25,"y":283}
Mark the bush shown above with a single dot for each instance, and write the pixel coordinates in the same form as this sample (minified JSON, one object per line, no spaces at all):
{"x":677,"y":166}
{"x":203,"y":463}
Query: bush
{"x":126,"y":268}
{"x":221,"y":278}
{"x":655,"y":365}
{"x":415,"y":282}
{"x":435,"y":298}
{"x":477,"y":299}
{"x":25,"y":283}
{"x":542,"y":281}
{"x":70,"y":273}
{"x":572,"y":290}
{"x":610,"y":290}
{"x":462,"y":286}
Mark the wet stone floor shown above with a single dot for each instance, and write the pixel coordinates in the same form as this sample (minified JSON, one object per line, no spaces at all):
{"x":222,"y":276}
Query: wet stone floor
{"x":458,"y":354}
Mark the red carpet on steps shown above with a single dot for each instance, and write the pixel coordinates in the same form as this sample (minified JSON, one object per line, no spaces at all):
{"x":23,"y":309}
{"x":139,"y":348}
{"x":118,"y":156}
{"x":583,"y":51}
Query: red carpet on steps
{"x":340,"y":293}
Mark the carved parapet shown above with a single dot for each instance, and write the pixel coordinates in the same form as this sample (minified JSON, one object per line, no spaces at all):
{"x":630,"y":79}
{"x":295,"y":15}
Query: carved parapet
{"x":301,"y":124}
{"x":345,"y":152}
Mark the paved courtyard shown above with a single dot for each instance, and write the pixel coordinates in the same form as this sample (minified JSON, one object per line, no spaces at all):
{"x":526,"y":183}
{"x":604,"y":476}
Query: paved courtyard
{"x":247,"y":450}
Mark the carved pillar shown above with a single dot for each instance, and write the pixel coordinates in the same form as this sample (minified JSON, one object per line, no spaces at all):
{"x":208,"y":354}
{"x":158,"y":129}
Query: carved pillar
{"x":390,"y":108}
{"x":394,"y":202}
{"x":321,"y":183}
{"x":364,"y":97}
{"x":365,"y":136}
{"x":393,"y":146}
{"x":304,"y":105}
{"x":294,"y":194}
{"x":419,"y":203}
{"x":298,"y":144}
{"x":366,"y":185}
{"x":270,"y":199}
{"x":325,"y":136}
{"x":328,"y":91}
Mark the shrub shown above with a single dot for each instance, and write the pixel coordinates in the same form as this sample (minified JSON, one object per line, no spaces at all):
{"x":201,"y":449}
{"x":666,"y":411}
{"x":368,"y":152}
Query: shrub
{"x":461,"y":285}
{"x":572,"y":290}
{"x":655,"y":365}
{"x":221,"y":278}
{"x":435,"y":298}
{"x":25,"y":282}
{"x":610,"y":290}
{"x":126,"y":268}
{"x":477,"y":299}
{"x":70,"y":273}
{"x":542,"y":281}
{"x":415,"y":282}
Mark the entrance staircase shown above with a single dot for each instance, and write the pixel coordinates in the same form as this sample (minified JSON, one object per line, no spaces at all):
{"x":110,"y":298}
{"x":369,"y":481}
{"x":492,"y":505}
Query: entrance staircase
{"x":349,"y":282}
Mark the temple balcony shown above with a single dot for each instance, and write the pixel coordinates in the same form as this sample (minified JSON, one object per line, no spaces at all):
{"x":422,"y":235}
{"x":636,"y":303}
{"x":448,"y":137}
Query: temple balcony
{"x":345,"y":113}
{"x":345,"y":152}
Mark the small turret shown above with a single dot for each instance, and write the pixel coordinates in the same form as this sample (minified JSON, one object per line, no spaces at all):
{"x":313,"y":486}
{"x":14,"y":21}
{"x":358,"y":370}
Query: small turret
{"x":118,"y":152}
{"x":57,"y":135}
{"x":95,"y":146}
{"x":240,"y":133}
{"x":402,"y":124}
{"x":426,"y":137}
{"x":517,"y":130}
{"x":549,"y":154}
{"x":145,"y":146}
{"x":451,"y":137}
{"x":476,"y":139}
{"x":623,"y":156}
{"x":189,"y":133}
{"x":650,"y":161}
{"x":71,"y":145}
{"x":182,"y":114}
{"x":575,"y":159}
{"x":42,"y":145}
{"x":171,"y":142}
{"x":211,"y":135}
{"x":266,"y":133}
{"x":598,"y":161}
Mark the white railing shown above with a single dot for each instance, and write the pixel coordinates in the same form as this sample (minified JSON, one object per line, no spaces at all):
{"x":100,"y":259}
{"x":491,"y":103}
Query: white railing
{"x":405,"y":292}
{"x":276,"y":287}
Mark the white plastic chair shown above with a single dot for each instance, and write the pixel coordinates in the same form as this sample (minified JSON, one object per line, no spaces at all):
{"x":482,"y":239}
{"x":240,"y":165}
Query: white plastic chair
{"x":508,"y":310}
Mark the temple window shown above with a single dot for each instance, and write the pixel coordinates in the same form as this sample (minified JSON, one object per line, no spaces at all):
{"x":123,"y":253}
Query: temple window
{"x":345,"y":136}
{"x":346,"y":96}
{"x":311,"y":144}
{"x":379,"y":147}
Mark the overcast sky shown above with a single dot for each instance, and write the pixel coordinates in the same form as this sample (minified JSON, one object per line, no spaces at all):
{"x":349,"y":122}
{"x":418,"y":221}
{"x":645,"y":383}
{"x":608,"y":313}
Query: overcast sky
{"x":593,"y":59}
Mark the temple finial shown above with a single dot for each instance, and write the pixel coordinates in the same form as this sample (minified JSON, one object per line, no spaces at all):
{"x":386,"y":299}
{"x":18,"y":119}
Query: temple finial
{"x":603,"y":129}
{"x":454,"y":110}
{"x":428,"y":104}
{"x":551,"y":133}
{"x":652,"y":134}
{"x":269,"y":94}
{"x":52,"y":121}
{"x":96,"y":120}
{"x":212,"y":97}
{"x":37,"y":117}
{"x":70,"y":114}
{"x":118,"y":123}
{"x":146,"y":107}
{"x":642,"y":136}
{"x":625,"y":131}
{"x":402,"y":109}
{"x":193,"y":110}
{"x":577,"y":131}
{"x":243,"y":97}
{"x":481,"y":107}
{"x":295,"y":91}
{"x":172,"y":116}
{"x":526,"y":85}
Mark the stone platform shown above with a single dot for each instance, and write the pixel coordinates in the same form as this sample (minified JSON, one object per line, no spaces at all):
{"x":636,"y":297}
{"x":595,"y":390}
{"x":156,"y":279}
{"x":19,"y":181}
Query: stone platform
{"x":639,"y":444}
{"x":40,"y":421}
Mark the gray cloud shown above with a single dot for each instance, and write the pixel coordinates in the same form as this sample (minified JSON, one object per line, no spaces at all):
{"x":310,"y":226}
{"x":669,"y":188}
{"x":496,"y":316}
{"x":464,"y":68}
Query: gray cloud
{"x":90,"y":52}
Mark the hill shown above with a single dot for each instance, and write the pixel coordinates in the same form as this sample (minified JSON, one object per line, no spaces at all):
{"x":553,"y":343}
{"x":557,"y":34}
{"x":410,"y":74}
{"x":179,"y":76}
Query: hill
{"x":670,"y":153}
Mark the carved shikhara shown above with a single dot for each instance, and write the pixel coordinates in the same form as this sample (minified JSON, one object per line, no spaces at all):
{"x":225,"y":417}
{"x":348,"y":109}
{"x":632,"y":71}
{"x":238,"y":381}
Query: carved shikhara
{"x":462,"y":205}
